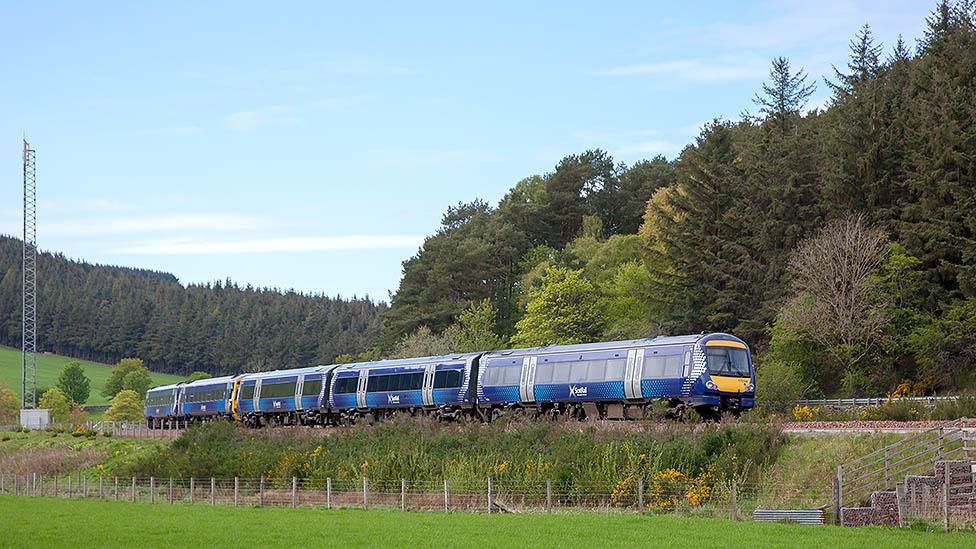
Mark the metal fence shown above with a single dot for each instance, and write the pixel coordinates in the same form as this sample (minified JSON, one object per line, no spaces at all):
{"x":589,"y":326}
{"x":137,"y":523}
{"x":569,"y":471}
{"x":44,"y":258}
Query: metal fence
{"x":871,"y":401}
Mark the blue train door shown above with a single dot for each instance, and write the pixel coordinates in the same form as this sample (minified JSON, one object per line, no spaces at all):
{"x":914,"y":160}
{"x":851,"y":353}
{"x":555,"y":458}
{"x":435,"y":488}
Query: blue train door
{"x":361,"y":389}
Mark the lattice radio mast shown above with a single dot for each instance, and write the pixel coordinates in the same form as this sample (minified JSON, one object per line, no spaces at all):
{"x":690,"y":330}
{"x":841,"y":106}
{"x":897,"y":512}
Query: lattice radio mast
{"x":29,"y":312}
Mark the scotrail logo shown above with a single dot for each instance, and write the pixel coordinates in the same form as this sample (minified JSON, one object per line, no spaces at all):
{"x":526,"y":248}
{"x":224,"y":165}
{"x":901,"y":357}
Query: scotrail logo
{"x":575,"y":391}
{"x":393,"y":399}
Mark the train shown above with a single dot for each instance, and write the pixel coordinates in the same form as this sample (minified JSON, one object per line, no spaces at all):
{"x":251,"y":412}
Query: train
{"x":710,"y":374}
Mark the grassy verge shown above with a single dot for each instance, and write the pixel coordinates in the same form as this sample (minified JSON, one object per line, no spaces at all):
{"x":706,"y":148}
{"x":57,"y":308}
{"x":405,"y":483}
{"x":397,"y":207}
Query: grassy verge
{"x":49,"y":368}
{"x":48,"y":522}
{"x":48,"y":453}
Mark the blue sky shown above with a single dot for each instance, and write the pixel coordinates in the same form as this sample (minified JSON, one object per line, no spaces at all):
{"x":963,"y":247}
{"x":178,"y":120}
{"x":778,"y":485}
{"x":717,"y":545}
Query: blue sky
{"x":313,"y":145}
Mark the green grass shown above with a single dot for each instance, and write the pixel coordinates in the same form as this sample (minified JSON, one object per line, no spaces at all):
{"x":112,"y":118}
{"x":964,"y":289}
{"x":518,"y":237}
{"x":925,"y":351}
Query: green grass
{"x":49,"y":368}
{"x":49,"y":522}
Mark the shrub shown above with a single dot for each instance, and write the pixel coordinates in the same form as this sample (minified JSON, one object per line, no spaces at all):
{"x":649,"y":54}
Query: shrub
{"x":779,"y":383}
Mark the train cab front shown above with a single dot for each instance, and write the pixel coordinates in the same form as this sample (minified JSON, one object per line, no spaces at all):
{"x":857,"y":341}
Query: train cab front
{"x":728,"y":382}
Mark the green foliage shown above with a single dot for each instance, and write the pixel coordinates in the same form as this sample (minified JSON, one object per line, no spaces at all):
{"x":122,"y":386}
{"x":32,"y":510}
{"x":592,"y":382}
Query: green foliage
{"x":9,"y":405}
{"x":57,"y":403}
{"x":197,"y":376}
{"x":137,"y":380}
{"x":424,"y":342}
{"x":121,"y":375}
{"x":126,"y":405}
{"x":74,"y":384}
{"x":106,"y":313}
{"x":476,"y":329}
{"x":565,"y":309}
{"x":779,"y":383}
{"x":574,"y":457}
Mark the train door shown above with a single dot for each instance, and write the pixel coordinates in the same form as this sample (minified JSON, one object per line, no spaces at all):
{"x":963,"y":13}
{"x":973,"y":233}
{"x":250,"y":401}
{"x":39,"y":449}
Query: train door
{"x":298,"y":391}
{"x":633,"y":373}
{"x":361,"y":388}
{"x":428,"y":387}
{"x":527,"y":379}
{"x":256,"y":402}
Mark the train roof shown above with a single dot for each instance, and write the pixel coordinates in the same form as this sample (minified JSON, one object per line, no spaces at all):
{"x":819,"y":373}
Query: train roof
{"x":609,"y":345}
{"x":407,"y":361}
{"x":283,"y":373}
{"x":166,"y":387}
{"x":209,"y":381}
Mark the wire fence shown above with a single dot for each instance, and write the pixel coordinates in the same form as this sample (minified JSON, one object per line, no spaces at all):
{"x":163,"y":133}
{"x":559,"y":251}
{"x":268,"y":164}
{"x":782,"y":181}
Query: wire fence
{"x":731,"y":499}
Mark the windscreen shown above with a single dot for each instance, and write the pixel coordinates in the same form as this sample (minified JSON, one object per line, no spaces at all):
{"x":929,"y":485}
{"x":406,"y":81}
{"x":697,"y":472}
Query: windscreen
{"x":726,"y":361}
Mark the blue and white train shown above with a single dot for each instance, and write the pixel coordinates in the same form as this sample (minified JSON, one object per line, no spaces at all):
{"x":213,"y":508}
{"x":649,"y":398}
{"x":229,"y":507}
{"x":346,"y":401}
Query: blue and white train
{"x":709,"y":373}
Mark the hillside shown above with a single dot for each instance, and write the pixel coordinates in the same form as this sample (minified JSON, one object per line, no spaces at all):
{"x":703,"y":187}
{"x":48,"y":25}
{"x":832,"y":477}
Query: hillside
{"x":49,"y":367}
{"x":105,"y":313}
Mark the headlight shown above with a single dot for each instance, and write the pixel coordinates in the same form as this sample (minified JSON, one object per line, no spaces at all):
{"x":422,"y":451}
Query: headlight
{"x":711,"y":385}
{"x":750,"y":388}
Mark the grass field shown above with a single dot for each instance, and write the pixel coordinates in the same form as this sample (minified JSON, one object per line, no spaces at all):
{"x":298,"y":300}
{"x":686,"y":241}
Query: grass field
{"x":49,"y":522}
{"x":49,"y":367}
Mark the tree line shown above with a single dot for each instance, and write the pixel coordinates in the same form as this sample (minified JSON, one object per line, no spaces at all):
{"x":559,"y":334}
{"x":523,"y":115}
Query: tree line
{"x":878,"y":187}
{"x":106,"y":313}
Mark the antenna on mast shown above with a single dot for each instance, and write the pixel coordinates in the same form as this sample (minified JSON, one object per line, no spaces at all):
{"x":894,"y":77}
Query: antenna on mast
{"x":29,"y":310}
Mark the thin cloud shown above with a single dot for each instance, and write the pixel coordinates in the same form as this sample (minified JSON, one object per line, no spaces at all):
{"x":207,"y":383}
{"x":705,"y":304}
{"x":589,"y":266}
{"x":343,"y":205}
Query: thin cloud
{"x":157,"y":223}
{"x":275,"y":115}
{"x":272,"y":245}
{"x":693,"y":69}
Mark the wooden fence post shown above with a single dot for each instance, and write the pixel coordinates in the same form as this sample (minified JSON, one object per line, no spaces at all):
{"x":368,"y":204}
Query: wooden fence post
{"x":152,"y":489}
{"x":236,"y":490}
{"x":447,"y":501}
{"x":84,"y":484}
{"x":132,"y":493}
{"x":101,"y":487}
{"x":548,"y":496}
{"x":403,"y":494}
{"x":261,"y":493}
{"x":191,"y":490}
{"x":946,"y":478}
{"x":55,"y":485}
{"x":116,"y":488}
{"x":640,"y":495}
{"x":735,"y":499}
{"x":838,"y":493}
{"x":69,"y":485}
{"x":365,"y":491}
{"x":213,"y":491}
{"x":170,"y":490}
{"x":489,"y":495}
{"x":328,"y":493}
{"x":294,"y":491}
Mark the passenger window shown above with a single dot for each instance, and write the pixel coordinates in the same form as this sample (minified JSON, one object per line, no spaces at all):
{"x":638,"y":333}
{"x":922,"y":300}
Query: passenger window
{"x":512,"y":375}
{"x":543,"y":373}
{"x":561,"y":371}
{"x":578,"y":372}
{"x":596,"y":370}
{"x":673,"y":366}
{"x":653,"y":367}
{"x":615,"y":368}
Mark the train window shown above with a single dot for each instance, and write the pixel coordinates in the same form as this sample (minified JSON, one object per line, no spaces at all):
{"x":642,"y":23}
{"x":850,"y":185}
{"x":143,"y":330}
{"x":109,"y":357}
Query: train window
{"x":543,"y":373}
{"x":247,"y":392}
{"x":488,"y":375}
{"x":375,"y":383}
{"x":278,"y":390}
{"x":447,"y":379}
{"x":727,"y":362}
{"x":560,"y":372}
{"x":345,"y":385}
{"x":578,"y":372}
{"x":596,"y":370}
{"x":653,"y":367}
{"x":312,"y":387}
{"x":512,"y":375}
{"x":673,"y":366}
{"x":615,"y":368}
